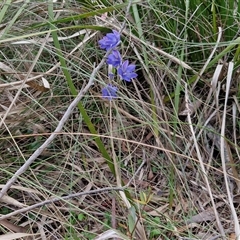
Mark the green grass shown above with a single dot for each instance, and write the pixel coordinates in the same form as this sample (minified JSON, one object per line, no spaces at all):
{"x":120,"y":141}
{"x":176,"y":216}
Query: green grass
{"x":104,"y":144}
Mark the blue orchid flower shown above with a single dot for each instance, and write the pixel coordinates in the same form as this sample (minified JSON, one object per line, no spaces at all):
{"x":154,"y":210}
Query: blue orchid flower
{"x":127,"y":71}
{"x":114,"y":58}
{"x":109,"y":92}
{"x":110,"y":41}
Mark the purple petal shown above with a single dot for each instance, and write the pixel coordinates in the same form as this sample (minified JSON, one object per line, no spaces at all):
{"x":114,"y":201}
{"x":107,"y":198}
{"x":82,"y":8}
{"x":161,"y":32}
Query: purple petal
{"x":116,"y":33}
{"x":109,"y":92}
{"x":125,"y":65}
{"x":111,"y":40}
{"x":127,"y":72}
{"x":114,"y":58}
{"x":131,"y":68}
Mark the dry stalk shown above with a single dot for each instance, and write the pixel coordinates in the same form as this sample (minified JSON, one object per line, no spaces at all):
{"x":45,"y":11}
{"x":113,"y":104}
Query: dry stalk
{"x":220,"y":227}
{"x":223,"y":157}
{"x":50,"y":201}
{"x":210,"y":57}
{"x":58,"y":129}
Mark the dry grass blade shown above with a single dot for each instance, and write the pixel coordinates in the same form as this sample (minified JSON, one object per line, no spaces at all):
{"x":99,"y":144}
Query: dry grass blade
{"x":110,"y":234}
{"x":12,"y":227}
{"x":210,"y":56}
{"x":234,"y":124}
{"x":9,"y":200}
{"x":50,"y":39}
{"x":202,"y":165}
{"x":223,"y":155}
{"x":23,"y":83}
{"x":12,"y":236}
{"x":20,"y":76}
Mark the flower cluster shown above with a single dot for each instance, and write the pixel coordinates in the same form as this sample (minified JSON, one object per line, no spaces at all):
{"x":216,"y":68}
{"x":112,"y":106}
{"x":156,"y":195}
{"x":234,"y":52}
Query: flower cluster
{"x":125,"y":70}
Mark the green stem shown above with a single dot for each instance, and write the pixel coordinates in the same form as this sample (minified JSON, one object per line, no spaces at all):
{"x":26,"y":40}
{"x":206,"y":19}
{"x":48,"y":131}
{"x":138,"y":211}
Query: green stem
{"x":74,"y":92}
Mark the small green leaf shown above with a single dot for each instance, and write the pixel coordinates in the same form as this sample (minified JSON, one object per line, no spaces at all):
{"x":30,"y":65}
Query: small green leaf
{"x":131,"y":219}
{"x":81,"y":216}
{"x":143,"y":197}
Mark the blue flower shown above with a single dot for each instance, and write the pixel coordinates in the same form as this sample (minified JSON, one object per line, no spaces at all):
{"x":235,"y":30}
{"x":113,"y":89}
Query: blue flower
{"x":111,"y":75}
{"x":110,"y":41}
{"x":109,"y":92}
{"x":127,"y":71}
{"x":114,"y":58}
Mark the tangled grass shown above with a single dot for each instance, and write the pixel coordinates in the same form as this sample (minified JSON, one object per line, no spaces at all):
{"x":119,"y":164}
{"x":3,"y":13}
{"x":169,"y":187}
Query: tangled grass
{"x":161,"y":161}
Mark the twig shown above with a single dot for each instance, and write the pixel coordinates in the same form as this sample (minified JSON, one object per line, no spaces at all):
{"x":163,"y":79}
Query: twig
{"x":61,"y":123}
{"x":49,"y":201}
{"x":58,"y":129}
